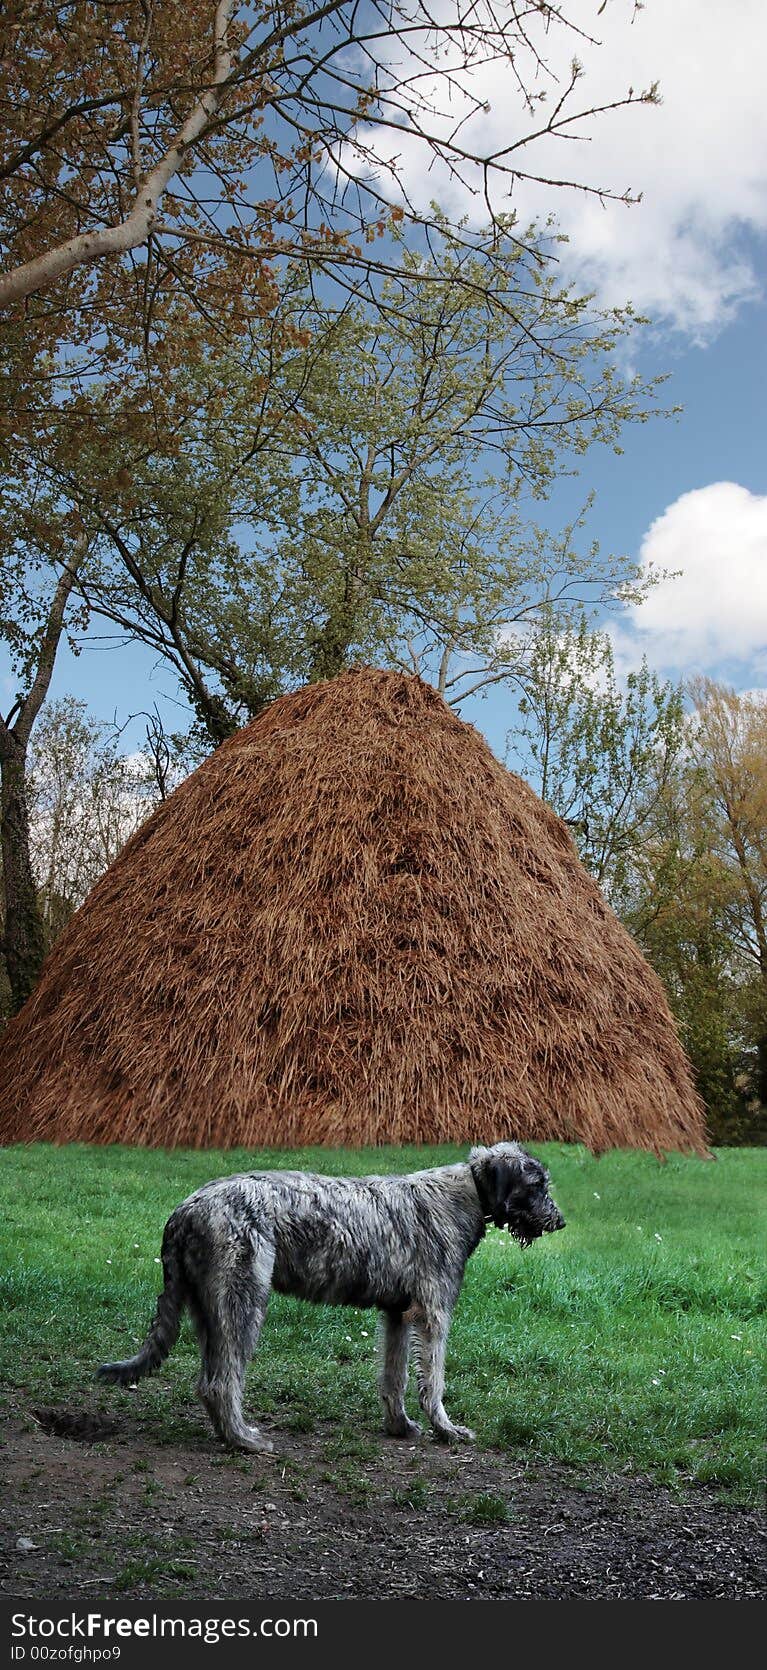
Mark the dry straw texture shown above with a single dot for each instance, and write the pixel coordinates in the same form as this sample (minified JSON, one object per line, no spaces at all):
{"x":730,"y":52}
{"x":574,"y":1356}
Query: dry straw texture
{"x":351,"y":925}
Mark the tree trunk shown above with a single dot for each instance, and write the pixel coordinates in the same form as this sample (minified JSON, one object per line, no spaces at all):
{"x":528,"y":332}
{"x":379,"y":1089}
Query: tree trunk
{"x":761,"y":1042}
{"x":24,"y":936}
{"x":761,"y":1069}
{"x":134,"y":229}
{"x":330,"y":651}
{"x":332,"y":647}
{"x":23,"y":933}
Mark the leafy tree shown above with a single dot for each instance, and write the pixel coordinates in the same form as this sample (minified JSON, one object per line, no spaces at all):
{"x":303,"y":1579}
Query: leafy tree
{"x":729,"y":748}
{"x":349,"y":488}
{"x":160,"y":166}
{"x":33,"y":606}
{"x":677,"y":908}
{"x":600,"y":752}
{"x":669,"y":810}
{"x":86,"y":797}
{"x":215,"y":137}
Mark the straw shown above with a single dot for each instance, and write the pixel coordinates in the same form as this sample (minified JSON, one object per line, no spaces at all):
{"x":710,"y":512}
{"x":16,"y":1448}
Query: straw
{"x":350,"y":926}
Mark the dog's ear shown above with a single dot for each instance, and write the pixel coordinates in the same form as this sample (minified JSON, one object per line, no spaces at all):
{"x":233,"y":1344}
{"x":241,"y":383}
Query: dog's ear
{"x":496,"y":1178}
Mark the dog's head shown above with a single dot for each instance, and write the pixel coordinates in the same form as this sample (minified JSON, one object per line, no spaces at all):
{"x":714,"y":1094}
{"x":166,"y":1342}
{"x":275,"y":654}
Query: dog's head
{"x":513,"y":1190}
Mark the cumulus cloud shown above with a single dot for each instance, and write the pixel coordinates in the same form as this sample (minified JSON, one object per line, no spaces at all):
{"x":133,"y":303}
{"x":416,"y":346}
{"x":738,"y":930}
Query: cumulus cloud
{"x":683,"y":254}
{"x":711,"y":615}
{"x":700,"y":161}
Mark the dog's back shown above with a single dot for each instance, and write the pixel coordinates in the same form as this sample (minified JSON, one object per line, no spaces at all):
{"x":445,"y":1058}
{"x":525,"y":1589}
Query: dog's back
{"x":335,"y":1240}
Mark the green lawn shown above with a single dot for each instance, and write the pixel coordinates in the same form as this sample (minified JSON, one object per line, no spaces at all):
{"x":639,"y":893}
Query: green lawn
{"x":633,"y":1340}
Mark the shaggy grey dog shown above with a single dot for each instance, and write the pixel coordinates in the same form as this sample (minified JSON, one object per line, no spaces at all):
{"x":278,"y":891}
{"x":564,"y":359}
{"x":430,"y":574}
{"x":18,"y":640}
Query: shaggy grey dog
{"x":397,"y":1243}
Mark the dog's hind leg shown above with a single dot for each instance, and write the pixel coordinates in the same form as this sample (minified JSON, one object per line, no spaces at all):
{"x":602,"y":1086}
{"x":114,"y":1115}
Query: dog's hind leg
{"x":431,"y":1332}
{"x":228,"y":1309}
{"x":392,"y":1375}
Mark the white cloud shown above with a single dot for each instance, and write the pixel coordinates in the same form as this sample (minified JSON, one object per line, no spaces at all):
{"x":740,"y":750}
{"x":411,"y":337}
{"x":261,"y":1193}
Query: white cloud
{"x":700,"y":161}
{"x":712,"y":616}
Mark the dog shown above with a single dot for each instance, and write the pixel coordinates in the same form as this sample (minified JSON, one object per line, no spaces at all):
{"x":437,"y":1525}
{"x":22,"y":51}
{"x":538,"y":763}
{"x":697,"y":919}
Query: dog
{"x":399,"y":1244}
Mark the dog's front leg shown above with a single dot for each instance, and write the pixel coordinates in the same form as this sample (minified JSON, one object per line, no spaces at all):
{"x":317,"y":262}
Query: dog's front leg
{"x":431,"y":1331}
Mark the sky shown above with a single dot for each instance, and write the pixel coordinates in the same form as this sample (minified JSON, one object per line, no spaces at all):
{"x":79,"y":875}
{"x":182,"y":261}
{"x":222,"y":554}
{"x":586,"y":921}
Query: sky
{"x":689,"y":494}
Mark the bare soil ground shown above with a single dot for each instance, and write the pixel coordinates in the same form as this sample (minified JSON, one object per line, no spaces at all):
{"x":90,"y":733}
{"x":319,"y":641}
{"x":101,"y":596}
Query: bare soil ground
{"x":92,"y":1508}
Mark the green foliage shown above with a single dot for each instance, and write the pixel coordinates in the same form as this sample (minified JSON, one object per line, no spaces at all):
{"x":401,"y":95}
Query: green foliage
{"x":344,"y":484}
{"x":598,"y":749}
{"x":85,"y":798}
{"x":633,"y":1340}
{"x":699,"y":904}
{"x":669,"y":812}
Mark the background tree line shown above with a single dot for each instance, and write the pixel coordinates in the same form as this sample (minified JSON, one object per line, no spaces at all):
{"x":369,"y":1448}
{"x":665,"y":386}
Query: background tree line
{"x":665,"y":791}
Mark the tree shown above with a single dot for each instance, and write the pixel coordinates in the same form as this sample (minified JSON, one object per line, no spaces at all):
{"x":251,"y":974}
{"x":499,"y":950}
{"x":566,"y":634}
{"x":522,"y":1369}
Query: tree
{"x":676,"y":905}
{"x":215,"y":137}
{"x":32,"y":620}
{"x":729,"y":747}
{"x":187,"y":152}
{"x":669,"y":810}
{"x":86,"y":796}
{"x":425,"y":428}
{"x":600,"y":752}
{"x":349,"y":491}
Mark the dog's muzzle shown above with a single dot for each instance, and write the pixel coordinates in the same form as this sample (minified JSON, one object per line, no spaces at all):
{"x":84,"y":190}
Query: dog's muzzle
{"x":526,"y":1229}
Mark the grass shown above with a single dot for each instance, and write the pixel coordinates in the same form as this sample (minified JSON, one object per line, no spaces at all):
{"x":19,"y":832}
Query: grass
{"x":632,"y":1341}
{"x":484,"y":1508}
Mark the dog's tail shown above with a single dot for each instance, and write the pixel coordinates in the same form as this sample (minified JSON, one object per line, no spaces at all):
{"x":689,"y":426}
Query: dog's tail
{"x":163,"y":1333}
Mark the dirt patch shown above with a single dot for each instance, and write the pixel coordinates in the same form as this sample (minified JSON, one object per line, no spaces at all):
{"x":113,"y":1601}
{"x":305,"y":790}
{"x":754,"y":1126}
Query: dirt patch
{"x":84,"y":1427}
{"x":344,"y":1515}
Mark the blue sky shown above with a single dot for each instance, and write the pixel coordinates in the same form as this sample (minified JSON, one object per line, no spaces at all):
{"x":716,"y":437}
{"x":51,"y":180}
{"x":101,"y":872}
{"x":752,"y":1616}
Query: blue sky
{"x":689,"y":493}
{"x":720,"y":437}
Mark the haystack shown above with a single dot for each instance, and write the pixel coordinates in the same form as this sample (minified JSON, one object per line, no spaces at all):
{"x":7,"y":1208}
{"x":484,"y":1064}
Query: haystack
{"x":350,"y":926}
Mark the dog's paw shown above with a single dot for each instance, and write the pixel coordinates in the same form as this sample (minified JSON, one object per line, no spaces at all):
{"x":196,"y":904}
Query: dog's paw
{"x":254,"y":1442}
{"x":455,"y":1434}
{"x":403,"y":1429}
